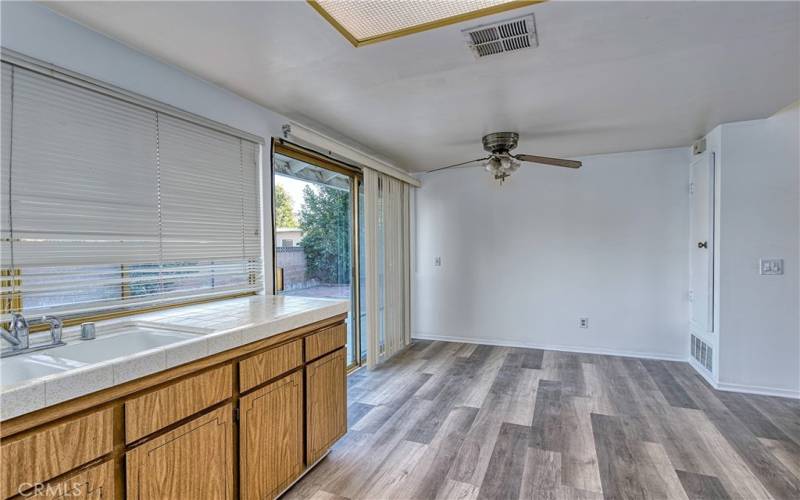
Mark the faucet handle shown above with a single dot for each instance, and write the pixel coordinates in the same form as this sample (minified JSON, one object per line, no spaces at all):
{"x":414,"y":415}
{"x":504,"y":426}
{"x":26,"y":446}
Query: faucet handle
{"x":87,"y":331}
{"x":20,"y":330}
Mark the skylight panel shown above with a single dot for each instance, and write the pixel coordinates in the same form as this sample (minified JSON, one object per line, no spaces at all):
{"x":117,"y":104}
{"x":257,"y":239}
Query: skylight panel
{"x":369,"y":21}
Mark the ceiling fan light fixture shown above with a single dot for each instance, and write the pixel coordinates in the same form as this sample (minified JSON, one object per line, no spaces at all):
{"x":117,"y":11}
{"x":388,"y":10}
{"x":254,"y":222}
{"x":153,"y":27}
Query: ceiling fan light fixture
{"x":501,"y":166}
{"x":501,"y":163}
{"x":492,"y":165}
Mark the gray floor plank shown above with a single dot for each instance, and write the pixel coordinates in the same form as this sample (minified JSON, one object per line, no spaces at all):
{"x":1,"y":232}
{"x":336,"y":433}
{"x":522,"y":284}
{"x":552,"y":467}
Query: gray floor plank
{"x":700,"y":487}
{"x":503,"y":478}
{"x":546,"y":424}
{"x":673,"y":392}
{"x":618,"y":471}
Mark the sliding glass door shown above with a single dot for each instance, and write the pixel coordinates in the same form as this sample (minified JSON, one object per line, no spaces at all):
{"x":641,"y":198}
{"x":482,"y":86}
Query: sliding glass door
{"x":317,"y":235}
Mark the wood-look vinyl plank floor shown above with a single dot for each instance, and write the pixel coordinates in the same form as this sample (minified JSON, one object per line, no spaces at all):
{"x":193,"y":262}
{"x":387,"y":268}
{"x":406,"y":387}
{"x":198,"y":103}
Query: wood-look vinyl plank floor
{"x":451,"y":421}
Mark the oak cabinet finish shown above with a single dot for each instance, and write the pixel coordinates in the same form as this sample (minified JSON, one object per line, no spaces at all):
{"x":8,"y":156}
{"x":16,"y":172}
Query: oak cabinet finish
{"x":271,"y":437}
{"x":269,"y":364}
{"x":174,"y":435}
{"x":95,"y":483}
{"x":39,"y":456}
{"x":193,"y":461}
{"x":325,"y":341}
{"x":326,"y":405}
{"x":156,"y":410}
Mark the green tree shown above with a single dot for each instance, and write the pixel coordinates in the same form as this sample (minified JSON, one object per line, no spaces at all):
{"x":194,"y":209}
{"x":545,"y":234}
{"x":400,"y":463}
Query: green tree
{"x":325,"y":221}
{"x":284,"y":216}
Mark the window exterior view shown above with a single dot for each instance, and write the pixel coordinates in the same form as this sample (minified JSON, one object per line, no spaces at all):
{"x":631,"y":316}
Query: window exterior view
{"x":314,"y":243}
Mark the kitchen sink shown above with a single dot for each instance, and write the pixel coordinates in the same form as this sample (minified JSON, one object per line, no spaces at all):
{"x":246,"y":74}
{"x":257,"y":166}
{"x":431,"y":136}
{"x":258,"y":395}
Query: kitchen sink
{"x":30,"y":366}
{"x":112,"y":342}
{"x":115,"y":345}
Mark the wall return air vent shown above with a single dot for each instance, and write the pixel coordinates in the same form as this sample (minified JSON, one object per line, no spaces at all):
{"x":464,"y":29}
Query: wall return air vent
{"x":503,"y":36}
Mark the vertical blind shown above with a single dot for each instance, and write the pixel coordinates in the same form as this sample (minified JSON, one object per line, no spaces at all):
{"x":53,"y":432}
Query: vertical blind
{"x":387,"y":263}
{"x":107,"y":204}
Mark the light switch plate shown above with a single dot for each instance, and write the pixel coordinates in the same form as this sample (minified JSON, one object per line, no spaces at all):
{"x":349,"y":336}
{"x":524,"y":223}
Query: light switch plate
{"x":770,"y":266}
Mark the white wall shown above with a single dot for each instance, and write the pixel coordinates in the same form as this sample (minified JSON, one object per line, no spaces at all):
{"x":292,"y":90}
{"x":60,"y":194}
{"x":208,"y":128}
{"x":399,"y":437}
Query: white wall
{"x":759,"y":331}
{"x":522,"y":262}
{"x":36,"y":31}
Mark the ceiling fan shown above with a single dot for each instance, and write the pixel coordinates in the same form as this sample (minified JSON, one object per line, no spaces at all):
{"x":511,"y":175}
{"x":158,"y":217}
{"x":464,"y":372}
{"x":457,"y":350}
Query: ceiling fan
{"x":501,"y":163}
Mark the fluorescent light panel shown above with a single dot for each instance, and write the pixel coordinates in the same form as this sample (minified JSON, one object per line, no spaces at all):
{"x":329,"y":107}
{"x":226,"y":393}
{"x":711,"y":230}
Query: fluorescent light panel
{"x":367,"y":21}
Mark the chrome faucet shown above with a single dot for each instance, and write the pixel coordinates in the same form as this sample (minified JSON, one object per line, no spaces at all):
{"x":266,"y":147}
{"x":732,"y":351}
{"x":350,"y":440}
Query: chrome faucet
{"x":55,"y":328}
{"x":18,"y":334}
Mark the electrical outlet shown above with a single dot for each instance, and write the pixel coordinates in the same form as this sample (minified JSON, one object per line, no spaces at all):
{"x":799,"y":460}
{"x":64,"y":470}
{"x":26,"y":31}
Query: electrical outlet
{"x":583,"y":322}
{"x":437,"y":261}
{"x":770,"y":266}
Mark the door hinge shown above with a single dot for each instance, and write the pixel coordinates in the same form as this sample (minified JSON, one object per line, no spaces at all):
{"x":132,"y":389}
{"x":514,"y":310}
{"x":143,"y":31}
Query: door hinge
{"x":236,"y":414}
{"x":691,"y":188}
{"x":690,"y":295}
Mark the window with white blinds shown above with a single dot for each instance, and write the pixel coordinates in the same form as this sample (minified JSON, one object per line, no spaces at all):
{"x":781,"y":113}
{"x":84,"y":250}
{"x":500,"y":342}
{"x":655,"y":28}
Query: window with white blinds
{"x":107,"y":204}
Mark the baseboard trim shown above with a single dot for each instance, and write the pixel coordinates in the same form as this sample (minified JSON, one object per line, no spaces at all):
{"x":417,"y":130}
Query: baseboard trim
{"x":755,"y":389}
{"x":747,"y":389}
{"x":549,"y":347}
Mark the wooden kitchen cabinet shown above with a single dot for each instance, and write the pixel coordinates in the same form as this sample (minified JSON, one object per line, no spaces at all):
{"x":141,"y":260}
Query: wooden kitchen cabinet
{"x":95,"y":483}
{"x":271,"y":437}
{"x":193,"y":461}
{"x":174,"y":435}
{"x":326,"y":405}
{"x":36,"y":457}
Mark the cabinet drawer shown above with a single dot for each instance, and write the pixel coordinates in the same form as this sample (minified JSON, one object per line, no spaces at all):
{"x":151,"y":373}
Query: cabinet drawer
{"x":47,"y":453}
{"x":269,"y":364}
{"x":155,"y":410}
{"x":96,"y":482}
{"x":325,"y":341}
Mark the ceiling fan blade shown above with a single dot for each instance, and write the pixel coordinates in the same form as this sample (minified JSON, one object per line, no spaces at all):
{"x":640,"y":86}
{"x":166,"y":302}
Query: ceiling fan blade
{"x":464,"y":164}
{"x":558,"y":162}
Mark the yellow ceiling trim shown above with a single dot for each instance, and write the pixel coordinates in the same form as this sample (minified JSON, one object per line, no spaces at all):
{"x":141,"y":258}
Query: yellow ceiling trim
{"x":488,"y":11}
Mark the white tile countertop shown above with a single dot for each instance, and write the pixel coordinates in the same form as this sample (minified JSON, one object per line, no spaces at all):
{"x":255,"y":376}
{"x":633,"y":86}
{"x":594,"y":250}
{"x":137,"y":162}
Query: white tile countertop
{"x":215,"y":327}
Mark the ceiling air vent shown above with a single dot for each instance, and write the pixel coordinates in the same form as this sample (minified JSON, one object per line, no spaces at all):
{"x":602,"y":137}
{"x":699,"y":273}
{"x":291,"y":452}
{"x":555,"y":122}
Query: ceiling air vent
{"x":503,"y":36}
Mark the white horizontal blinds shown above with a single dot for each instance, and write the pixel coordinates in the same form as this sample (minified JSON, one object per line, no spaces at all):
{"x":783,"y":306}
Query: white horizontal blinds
{"x":84,"y":187}
{"x":116,"y":205}
{"x":209,"y":208}
{"x":251,"y":202}
{"x":5,"y":163}
{"x":83,"y":193}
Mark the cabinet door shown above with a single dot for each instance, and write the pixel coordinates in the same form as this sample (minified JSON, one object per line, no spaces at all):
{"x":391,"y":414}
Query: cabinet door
{"x":326,"y":406}
{"x":193,"y":461}
{"x":271,"y":437}
{"x":96,"y":482}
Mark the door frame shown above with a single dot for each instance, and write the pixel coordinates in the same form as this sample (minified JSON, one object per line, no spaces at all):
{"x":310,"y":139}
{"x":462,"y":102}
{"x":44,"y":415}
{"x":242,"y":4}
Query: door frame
{"x":300,"y":153}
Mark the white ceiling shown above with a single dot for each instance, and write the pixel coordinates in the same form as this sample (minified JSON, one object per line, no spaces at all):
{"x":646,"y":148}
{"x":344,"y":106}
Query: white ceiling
{"x":607,"y":77}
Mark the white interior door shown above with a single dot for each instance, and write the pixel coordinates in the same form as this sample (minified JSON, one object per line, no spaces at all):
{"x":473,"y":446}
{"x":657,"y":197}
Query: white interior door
{"x":702,"y":243}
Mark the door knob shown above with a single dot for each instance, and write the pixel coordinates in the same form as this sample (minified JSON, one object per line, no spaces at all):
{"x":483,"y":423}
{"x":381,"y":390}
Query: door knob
{"x":702,"y":244}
